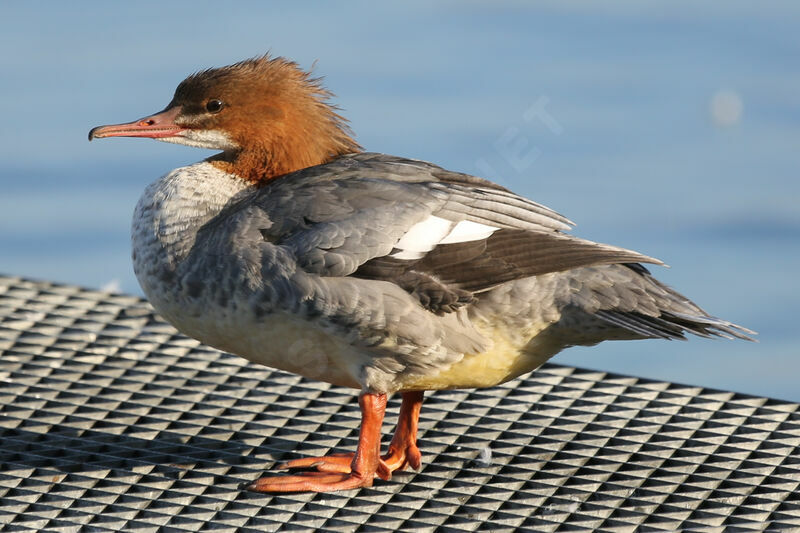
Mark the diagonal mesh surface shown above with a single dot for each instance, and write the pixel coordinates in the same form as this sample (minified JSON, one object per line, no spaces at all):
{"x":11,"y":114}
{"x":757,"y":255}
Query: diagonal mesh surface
{"x":112,"y":421}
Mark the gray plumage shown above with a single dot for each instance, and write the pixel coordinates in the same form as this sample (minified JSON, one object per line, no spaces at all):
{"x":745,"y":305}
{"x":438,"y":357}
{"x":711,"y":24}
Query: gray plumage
{"x":321,"y":245}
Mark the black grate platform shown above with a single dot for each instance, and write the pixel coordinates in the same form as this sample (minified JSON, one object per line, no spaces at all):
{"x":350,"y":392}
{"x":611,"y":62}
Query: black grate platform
{"x":110,"y":420}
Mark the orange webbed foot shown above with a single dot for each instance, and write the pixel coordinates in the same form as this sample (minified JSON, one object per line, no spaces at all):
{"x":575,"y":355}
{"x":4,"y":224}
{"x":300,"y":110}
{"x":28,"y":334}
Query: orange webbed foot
{"x":397,"y":460}
{"x":335,"y":462}
{"x":333,"y":472}
{"x":311,"y":482}
{"x":344,"y":471}
{"x":341,"y":463}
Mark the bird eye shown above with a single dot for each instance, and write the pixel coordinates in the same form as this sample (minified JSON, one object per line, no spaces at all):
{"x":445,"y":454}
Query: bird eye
{"x":214,"y":106}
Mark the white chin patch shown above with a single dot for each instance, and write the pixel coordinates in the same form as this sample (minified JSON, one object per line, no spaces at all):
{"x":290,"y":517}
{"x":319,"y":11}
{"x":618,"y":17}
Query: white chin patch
{"x":424,"y":236}
{"x":212,"y":139}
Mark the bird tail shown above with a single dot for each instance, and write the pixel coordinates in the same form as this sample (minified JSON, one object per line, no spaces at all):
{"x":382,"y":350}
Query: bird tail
{"x":676,"y":315}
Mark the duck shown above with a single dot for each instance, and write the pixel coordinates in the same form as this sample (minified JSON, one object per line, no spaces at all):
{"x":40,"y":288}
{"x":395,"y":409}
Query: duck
{"x":295,"y":249}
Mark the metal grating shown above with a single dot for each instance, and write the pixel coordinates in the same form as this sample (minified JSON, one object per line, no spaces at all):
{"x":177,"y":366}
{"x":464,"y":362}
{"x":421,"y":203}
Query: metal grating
{"x":110,"y":420}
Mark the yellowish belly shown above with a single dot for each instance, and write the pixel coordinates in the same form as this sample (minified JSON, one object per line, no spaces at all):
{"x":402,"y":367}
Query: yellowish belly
{"x":509,"y":357}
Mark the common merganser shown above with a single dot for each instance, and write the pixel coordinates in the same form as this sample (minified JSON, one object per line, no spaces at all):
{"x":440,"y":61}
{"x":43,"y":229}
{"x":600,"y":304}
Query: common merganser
{"x":296,"y":250}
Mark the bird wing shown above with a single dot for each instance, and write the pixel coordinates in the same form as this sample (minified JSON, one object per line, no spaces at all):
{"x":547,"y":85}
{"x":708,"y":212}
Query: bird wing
{"x":441,"y":236}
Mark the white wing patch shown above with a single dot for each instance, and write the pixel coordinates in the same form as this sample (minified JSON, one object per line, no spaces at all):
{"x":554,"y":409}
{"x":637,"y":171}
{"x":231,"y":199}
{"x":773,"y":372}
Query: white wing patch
{"x":424,"y":236}
{"x":468,"y":231}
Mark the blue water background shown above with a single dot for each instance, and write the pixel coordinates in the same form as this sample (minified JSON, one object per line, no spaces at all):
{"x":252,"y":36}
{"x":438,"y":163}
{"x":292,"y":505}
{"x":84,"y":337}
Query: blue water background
{"x":625,"y":144}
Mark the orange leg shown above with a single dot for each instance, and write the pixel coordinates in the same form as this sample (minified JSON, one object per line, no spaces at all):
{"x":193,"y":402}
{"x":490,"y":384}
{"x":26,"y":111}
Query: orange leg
{"x":402,"y":451}
{"x":364,"y":465}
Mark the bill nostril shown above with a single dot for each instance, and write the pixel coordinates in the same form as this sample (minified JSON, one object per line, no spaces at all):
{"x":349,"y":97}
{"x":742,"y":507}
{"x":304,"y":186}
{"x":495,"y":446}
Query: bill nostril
{"x":148,"y":122}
